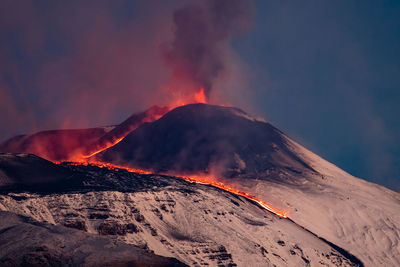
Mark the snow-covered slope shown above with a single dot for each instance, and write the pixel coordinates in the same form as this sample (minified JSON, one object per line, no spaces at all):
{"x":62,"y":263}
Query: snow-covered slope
{"x":26,"y":242}
{"x":254,"y":156}
{"x":196,"y":224}
{"x":362,"y":217}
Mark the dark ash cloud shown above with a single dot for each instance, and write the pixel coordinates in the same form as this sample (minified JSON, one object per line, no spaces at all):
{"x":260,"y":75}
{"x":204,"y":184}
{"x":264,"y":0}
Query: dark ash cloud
{"x":203,"y":31}
{"x":82,"y":64}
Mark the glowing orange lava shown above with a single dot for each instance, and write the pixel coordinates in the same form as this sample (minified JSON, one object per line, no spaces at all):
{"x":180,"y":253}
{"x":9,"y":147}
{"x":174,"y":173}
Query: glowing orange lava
{"x":195,"y":179}
{"x":213,"y":182}
{"x":200,"y":96}
{"x":109,"y":166}
{"x":106,"y":146}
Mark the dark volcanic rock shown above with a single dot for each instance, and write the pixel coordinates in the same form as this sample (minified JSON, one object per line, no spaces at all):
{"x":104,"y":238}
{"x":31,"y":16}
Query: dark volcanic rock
{"x":205,"y":138}
{"x":30,"y":173}
{"x":24,"y":169}
{"x":110,"y":228}
{"x":80,"y":225}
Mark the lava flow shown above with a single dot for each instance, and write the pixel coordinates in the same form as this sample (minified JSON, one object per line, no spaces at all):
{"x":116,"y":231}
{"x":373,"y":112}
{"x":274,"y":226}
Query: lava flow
{"x":212,"y":182}
{"x":199,"y":97}
{"x":108,"y":145}
{"x":152,"y":115}
{"x":193,"y":179}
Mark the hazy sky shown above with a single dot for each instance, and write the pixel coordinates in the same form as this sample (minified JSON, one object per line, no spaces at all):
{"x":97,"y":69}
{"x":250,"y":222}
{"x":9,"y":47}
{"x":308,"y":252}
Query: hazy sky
{"x":327,"y":73}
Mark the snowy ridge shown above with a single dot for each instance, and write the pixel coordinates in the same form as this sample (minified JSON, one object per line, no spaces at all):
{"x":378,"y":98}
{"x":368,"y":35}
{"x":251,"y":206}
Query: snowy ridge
{"x":357,"y":215}
{"x":332,"y":209}
{"x":196,"y":224}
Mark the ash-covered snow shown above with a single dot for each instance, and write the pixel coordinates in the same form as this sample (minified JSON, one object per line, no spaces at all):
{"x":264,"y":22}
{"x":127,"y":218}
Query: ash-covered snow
{"x":26,"y":242}
{"x":196,"y":224}
{"x":359,"y":216}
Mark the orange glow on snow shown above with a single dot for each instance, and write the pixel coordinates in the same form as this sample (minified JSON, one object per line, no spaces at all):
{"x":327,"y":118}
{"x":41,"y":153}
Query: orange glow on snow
{"x":199,"y":97}
{"x":213,"y":182}
{"x":193,"y":179}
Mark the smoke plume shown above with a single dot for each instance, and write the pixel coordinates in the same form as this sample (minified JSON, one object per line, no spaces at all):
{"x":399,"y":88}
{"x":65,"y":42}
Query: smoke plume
{"x":79,"y":65}
{"x":198,"y":52}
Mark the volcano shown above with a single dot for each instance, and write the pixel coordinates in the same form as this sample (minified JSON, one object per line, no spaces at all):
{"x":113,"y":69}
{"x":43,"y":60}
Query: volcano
{"x":208,"y":139}
{"x":334,"y":218}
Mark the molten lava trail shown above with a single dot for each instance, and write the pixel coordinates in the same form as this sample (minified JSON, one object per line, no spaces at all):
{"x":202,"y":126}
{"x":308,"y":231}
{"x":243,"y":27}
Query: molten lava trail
{"x":212,"y":182}
{"x":199,"y":97}
{"x":106,"y":146}
{"x":194,"y":179}
{"x":209,"y":181}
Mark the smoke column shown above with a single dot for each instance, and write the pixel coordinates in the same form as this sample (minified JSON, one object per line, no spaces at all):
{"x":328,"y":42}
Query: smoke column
{"x":202,"y":35}
{"x":105,"y":63}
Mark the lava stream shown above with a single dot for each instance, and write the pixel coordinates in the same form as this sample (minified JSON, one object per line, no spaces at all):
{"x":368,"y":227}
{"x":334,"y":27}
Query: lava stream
{"x":212,"y":182}
{"x":151,"y":115}
{"x":199,"y":97}
{"x":106,"y":146}
{"x":194,"y":179}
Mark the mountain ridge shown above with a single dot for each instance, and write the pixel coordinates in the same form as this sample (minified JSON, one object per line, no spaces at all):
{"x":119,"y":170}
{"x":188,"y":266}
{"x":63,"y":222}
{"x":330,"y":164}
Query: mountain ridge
{"x":255,"y":157}
{"x":199,"y":136}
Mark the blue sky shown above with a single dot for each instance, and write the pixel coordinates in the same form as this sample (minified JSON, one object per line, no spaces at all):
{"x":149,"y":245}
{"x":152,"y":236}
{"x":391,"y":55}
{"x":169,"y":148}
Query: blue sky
{"x":328,"y":74}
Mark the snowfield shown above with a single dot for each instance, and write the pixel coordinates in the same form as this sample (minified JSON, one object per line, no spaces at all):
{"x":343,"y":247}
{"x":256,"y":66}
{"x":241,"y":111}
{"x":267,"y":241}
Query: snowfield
{"x":25,"y":242}
{"x":196,"y":224}
{"x":359,"y":216}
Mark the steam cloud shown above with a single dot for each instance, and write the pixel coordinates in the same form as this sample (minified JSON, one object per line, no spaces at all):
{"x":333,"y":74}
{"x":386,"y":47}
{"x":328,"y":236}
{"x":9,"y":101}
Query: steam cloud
{"x":202,"y":34}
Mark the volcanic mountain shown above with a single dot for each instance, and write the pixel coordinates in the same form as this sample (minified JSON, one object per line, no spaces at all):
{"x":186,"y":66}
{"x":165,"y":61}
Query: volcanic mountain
{"x":200,"y":138}
{"x":122,"y":218}
{"x":330,"y":211}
